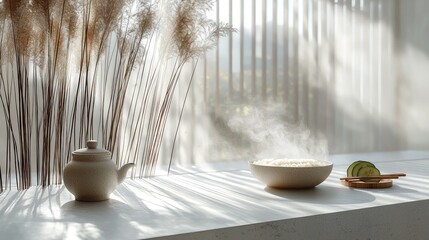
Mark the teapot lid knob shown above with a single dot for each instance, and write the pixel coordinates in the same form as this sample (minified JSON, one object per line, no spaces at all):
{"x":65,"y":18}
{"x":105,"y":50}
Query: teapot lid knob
{"x":91,"y":144}
{"x":91,"y":153}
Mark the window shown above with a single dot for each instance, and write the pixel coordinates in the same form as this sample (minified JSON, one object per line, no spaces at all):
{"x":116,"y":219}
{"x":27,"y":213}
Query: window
{"x":320,"y":66}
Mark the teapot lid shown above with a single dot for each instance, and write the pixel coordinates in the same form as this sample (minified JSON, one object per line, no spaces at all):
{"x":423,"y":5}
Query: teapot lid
{"x":91,"y":153}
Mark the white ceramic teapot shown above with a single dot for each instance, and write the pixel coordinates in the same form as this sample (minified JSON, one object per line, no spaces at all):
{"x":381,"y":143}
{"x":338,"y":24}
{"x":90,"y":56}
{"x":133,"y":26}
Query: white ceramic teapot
{"x":92,"y":175}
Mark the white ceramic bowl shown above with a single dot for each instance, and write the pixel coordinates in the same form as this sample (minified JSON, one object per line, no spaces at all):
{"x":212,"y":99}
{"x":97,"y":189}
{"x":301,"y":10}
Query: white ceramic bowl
{"x":290,"y":177}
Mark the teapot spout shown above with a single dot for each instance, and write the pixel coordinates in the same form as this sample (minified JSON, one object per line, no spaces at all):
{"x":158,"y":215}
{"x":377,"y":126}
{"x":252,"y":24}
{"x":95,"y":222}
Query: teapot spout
{"x":122,"y":172}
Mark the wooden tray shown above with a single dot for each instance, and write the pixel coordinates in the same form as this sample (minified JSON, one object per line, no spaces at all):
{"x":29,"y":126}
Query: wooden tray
{"x":384,"y":183}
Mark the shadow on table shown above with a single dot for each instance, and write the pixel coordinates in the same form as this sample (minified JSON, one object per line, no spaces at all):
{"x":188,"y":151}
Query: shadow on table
{"x":323,"y":195}
{"x":99,"y":220}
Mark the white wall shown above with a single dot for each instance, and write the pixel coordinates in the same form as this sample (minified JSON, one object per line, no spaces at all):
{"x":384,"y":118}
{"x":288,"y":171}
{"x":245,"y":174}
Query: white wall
{"x":413,"y":72}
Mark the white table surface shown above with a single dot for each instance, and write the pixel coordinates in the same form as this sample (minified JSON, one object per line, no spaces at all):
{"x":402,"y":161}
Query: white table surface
{"x":184,"y":203}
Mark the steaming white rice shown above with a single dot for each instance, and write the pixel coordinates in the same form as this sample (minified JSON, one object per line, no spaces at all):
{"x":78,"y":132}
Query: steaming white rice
{"x":292,"y":162}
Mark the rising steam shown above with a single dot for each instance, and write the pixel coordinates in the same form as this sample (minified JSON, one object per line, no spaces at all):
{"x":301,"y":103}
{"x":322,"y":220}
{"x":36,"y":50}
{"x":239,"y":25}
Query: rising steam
{"x":270,"y":136}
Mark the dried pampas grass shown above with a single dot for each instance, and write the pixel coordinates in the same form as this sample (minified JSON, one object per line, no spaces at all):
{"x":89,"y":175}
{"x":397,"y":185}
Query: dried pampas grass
{"x":74,"y":70}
